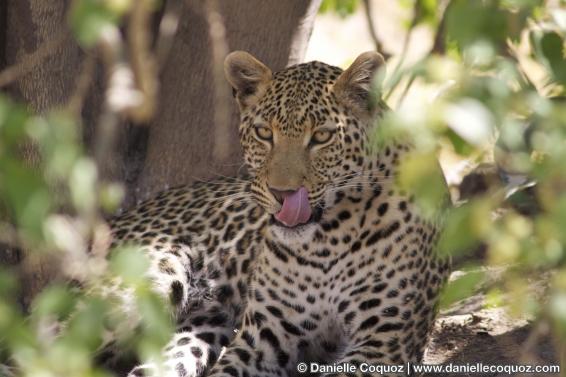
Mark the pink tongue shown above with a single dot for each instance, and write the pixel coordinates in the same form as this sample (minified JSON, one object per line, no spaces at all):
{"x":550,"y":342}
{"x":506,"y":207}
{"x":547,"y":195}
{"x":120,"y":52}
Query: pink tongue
{"x":295,"y":209}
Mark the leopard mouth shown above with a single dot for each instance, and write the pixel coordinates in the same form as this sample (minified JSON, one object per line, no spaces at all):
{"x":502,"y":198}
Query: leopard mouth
{"x":315,"y":217}
{"x":296,"y":209}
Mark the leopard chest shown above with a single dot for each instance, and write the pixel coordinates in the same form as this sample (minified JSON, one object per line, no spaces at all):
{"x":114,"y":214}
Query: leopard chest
{"x":378,"y":259}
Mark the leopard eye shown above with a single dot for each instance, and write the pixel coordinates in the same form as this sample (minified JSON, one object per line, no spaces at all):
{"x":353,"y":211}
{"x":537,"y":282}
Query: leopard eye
{"x":322,"y":136}
{"x":264,"y":133}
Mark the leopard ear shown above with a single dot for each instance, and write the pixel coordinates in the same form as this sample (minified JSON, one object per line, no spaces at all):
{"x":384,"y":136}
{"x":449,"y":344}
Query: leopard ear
{"x":248,"y":76}
{"x":354,"y":86}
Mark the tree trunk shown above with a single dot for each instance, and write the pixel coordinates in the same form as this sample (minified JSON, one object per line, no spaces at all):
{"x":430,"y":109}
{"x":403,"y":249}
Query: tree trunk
{"x":45,"y":84}
{"x":182,"y":139}
{"x":178,"y":146}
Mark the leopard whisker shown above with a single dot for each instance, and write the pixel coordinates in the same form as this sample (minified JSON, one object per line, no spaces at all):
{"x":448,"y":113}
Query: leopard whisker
{"x":231,"y":178}
{"x":358,"y":184}
{"x":221,"y":183}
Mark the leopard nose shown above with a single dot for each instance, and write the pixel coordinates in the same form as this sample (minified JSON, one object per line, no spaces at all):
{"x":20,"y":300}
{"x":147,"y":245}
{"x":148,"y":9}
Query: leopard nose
{"x":279,"y":194}
{"x":285,"y":179}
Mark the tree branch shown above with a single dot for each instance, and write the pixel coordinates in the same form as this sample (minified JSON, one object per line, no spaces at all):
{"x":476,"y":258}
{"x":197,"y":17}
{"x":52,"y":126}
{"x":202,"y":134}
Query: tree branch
{"x":439,"y":42}
{"x":142,"y":61}
{"x":167,"y":29}
{"x":404,"y":50}
{"x":222,"y":97}
{"x":373,"y":31}
{"x":30,"y":61}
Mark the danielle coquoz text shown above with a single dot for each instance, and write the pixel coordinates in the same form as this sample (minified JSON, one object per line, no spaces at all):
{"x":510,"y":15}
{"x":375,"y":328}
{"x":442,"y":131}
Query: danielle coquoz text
{"x":417,"y":369}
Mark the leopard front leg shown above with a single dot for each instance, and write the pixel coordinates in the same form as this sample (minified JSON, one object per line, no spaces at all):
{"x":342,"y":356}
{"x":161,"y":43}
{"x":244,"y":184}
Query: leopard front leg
{"x":387,"y":340}
{"x":371,"y":358}
{"x":259,"y":350}
{"x":377,"y":354}
{"x":196,"y":344}
{"x":214,"y":310}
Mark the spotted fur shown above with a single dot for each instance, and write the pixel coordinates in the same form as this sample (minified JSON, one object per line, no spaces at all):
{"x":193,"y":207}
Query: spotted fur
{"x":358,"y":283}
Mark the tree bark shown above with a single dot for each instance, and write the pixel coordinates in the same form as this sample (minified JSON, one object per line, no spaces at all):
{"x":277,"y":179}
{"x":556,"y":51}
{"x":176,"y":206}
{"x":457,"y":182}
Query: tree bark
{"x":178,"y":146}
{"x":45,"y":84}
{"x":181,"y":139}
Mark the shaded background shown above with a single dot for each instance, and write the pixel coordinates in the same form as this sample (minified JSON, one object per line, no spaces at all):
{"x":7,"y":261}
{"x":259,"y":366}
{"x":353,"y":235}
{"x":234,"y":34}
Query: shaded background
{"x":177,"y":146}
{"x":503,"y":68}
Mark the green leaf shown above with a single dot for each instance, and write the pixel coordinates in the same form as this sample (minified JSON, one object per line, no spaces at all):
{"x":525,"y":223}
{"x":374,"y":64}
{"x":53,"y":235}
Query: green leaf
{"x":521,"y":4}
{"x":469,"y":21}
{"x":552,"y":47}
{"x":462,"y":229}
{"x":54,"y":300}
{"x":12,"y":121}
{"x":111,"y":195}
{"x":87,"y":324}
{"x":56,"y":135}
{"x":130,"y":263}
{"x":89,"y":18}
{"x":157,"y":322}
{"x":8,"y":283}
{"x":458,"y":143}
{"x":420,"y":175}
{"x":342,"y":7}
{"x":82,"y":183}
{"x":557,"y":308}
{"x":26,"y":195}
{"x":427,"y":12}
{"x":461,"y":287}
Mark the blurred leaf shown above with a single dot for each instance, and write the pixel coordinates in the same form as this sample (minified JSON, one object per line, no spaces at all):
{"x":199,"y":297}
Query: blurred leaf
{"x":111,"y":195}
{"x":427,"y":12}
{"x":489,"y":22}
{"x":68,"y":357}
{"x":82,"y":183}
{"x":130,"y":263}
{"x":460,"y":145}
{"x":89,"y":18}
{"x":120,"y":7}
{"x":6,"y":315}
{"x":27,"y":196}
{"x":517,"y":13}
{"x":557,"y":215}
{"x":15,"y":331}
{"x":421,"y":176}
{"x":559,"y":17}
{"x":494,"y":298}
{"x":552,"y":47}
{"x":521,"y":4}
{"x":470,"y":217}
{"x":341,"y":7}
{"x":58,"y":138}
{"x":157,"y":322}
{"x":54,"y":300}
{"x":557,"y":306}
{"x":8,"y":283}
{"x":87,"y":324}
{"x":12,"y":120}
{"x":504,"y":249}
{"x":461,"y":287}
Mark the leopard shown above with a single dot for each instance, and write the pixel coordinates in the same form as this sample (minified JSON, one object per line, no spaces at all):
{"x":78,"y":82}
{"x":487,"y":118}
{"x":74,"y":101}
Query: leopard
{"x":315,"y":255}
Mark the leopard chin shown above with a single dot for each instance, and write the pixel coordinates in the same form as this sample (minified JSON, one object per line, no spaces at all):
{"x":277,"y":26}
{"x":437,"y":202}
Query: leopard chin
{"x":315,"y":217}
{"x":296,"y":235}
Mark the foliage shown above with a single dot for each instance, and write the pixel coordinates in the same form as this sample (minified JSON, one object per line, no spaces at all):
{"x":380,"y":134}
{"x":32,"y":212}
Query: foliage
{"x":496,"y":110}
{"x":33,"y":199}
{"x":53,"y":210}
{"x":341,"y":7}
{"x":55,"y":206}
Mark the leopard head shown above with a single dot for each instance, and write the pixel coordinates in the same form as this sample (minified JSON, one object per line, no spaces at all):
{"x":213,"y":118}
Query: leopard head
{"x":302,"y":130}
